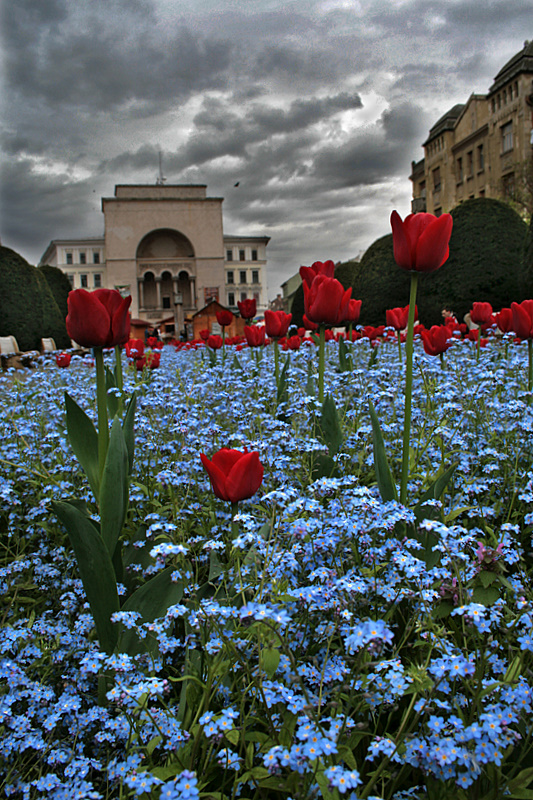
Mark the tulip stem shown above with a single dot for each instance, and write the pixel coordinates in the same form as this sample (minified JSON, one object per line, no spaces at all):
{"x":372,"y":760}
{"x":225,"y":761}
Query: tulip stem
{"x":530,"y":369}
{"x":276,"y":361}
{"x":321,"y":363}
{"x":101,"y":401}
{"x":408,"y":388}
{"x":234,"y":524}
{"x":478,"y":342}
{"x":399,"y":334}
{"x":119,"y":377}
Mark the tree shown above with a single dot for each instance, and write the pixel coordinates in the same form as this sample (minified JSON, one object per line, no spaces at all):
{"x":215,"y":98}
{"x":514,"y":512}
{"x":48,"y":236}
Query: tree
{"x":59,"y":286}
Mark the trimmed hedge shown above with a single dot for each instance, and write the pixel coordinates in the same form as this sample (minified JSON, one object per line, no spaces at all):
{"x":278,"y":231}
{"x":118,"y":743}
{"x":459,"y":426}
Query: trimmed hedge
{"x":59,"y":286}
{"x":28,"y":310}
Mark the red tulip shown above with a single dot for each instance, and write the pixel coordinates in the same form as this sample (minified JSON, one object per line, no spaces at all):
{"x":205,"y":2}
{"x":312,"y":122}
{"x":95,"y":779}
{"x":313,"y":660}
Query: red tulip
{"x":204,"y":334}
{"x":397,"y":317}
{"x":293,"y":343}
{"x":504,"y":320}
{"x":308,"y":274}
{"x":63,"y":359}
{"x":153,"y":360}
{"x":247,"y":308}
{"x":436,"y":340}
{"x":255,"y":335}
{"x":373,"y":333}
{"x":308,"y":325}
{"x":99,"y":318}
{"x":523,"y":319}
{"x":277,"y":323}
{"x":326,"y":301}
{"x":234,"y":475}
{"x":354,"y":311}
{"x":421,"y":241}
{"x":481,"y":314}
{"x":214,"y":341}
{"x":134,"y":348}
{"x":224,"y":317}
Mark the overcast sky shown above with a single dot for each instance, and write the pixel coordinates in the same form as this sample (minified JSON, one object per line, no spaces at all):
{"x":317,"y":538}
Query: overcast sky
{"x":316,"y":108}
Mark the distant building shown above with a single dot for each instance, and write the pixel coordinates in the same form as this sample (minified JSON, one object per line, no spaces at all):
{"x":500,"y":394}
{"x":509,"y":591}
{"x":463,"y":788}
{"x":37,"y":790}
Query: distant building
{"x":165,"y":246}
{"x":289,"y":289}
{"x":479,"y":149}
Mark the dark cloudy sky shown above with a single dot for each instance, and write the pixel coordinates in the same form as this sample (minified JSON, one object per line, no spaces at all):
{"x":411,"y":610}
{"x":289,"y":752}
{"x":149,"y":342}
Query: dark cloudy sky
{"x":316,"y":108}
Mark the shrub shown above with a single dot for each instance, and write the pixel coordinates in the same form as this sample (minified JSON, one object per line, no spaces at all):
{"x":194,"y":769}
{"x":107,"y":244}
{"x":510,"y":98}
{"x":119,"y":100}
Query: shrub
{"x":59,"y":286}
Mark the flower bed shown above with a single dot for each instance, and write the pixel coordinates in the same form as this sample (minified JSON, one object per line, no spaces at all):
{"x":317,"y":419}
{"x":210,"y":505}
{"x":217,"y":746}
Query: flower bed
{"x":323,"y":643}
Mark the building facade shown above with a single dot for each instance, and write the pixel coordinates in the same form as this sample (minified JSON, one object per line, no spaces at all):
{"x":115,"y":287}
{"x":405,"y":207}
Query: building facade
{"x":480,"y":148}
{"x":165,"y":246}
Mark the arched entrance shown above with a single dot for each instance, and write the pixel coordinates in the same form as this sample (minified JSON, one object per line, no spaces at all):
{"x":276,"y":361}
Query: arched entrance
{"x":166,"y":276}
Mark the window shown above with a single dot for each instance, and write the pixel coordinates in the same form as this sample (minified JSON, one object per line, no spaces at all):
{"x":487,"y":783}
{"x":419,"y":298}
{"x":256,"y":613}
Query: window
{"x":166,"y":301}
{"x":493,"y":105}
{"x":84,"y":280}
{"x":70,"y":276}
{"x":97,"y":280}
{"x":231,"y":298}
{"x":242,"y":276}
{"x":458,"y":171}
{"x":480,"y":158}
{"x":83,"y":257}
{"x":436,"y":180}
{"x":96,"y":257}
{"x":508,"y":185}
{"x":254,"y":255}
{"x":255,"y":276}
{"x":242,"y":255}
{"x":230,"y":278}
{"x":69,"y":258}
{"x":229,"y":255}
{"x":507,"y":137}
{"x":210,"y":293}
{"x":470,"y":163}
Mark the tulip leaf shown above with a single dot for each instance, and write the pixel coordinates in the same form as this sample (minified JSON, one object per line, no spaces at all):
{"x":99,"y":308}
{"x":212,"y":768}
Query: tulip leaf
{"x":128,"y":430}
{"x":114,"y":487}
{"x":151,"y":600}
{"x":84,"y":441}
{"x":330,"y":426}
{"x":282,"y":396}
{"x":111,"y":394}
{"x":96,"y":570}
{"x":310,"y":388}
{"x":433,"y":493}
{"x":345,"y":363}
{"x":386,"y":485}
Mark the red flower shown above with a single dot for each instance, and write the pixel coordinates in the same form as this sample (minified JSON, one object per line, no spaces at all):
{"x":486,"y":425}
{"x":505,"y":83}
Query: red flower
{"x":277,"y":323}
{"x":354,"y":310}
{"x":308,"y":274}
{"x":308,"y":325}
{"x":153,"y":360}
{"x":481,"y":314}
{"x":436,"y":340}
{"x":214,"y":341}
{"x":234,"y":475}
{"x":397,"y":317}
{"x":247,"y":308}
{"x":63,"y":359}
{"x":99,"y":318}
{"x":204,"y":334}
{"x":504,"y":320}
{"x":421,"y":241}
{"x":293,"y":343}
{"x":326,"y":301}
{"x":373,"y":333}
{"x":134,"y":348}
{"x":255,"y":335}
{"x":224,"y":317}
{"x":523,"y":319}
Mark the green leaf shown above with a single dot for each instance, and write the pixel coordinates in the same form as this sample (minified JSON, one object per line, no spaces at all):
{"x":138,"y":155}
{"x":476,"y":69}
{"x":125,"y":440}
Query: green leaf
{"x":433,"y":493}
{"x":114,"y":488}
{"x":96,"y":571}
{"x":386,"y":485}
{"x":151,"y":600}
{"x":345,"y":363}
{"x":237,"y":364}
{"x":216,"y":567}
{"x":487,"y":578}
{"x":330,"y":426}
{"x":270,"y":658}
{"x":310,"y":388}
{"x":84,"y":441}
{"x":128,"y":430}
{"x":282,"y":396}
{"x":518,"y":786}
{"x":233,"y":736}
{"x":112,"y":399}
{"x":486,"y":597}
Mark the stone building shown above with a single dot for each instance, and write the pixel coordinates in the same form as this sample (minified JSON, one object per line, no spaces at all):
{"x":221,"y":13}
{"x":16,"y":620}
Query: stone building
{"x":165,"y":246}
{"x":480,"y":148}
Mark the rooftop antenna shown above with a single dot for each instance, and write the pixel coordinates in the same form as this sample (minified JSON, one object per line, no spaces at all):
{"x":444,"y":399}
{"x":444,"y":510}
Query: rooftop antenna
{"x":160,"y":180}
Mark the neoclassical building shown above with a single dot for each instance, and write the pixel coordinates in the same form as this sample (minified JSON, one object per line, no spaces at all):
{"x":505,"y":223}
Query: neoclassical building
{"x":165,"y":246}
{"x":480,"y":148}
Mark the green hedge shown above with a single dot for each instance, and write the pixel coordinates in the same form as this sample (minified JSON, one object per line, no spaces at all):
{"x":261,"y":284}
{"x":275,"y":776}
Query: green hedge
{"x":28,"y":310}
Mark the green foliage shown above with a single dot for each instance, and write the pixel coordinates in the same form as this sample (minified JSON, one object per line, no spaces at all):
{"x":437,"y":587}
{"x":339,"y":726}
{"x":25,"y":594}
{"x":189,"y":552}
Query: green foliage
{"x":485,"y":264}
{"x":59,"y":286}
{"x":528,"y":262}
{"x":28,"y":310}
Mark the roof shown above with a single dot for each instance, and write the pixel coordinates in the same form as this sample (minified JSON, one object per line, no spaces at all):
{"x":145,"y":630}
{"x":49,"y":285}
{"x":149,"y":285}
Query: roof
{"x":518,"y":64}
{"x":446,"y":122}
